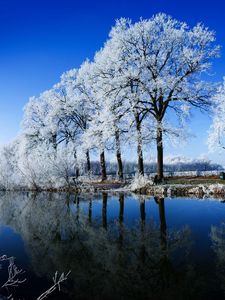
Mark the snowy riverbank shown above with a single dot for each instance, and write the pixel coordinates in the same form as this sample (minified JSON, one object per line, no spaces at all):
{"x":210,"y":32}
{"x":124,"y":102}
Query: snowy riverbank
{"x":139,"y":185}
{"x":164,"y":190}
{"x":201,"y":190}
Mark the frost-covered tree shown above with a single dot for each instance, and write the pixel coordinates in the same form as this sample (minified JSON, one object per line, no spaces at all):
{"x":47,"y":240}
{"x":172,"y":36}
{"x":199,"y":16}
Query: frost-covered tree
{"x":163,"y":60}
{"x":11,"y":176}
{"x":94,"y":136}
{"x":38,"y":126}
{"x":216,"y":138}
{"x":114,"y":107}
{"x":57,"y":117}
{"x":74,"y":108}
{"x":122,"y":90}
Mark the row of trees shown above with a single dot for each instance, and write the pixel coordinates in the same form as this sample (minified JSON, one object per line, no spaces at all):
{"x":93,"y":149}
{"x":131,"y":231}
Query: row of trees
{"x":138,"y":89}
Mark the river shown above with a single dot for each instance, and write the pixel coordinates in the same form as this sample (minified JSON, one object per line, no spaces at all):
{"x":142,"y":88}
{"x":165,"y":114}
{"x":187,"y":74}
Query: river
{"x":115,"y":245}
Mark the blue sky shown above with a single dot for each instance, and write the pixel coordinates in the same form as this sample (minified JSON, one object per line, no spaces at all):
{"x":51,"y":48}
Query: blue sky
{"x":41,"y":39}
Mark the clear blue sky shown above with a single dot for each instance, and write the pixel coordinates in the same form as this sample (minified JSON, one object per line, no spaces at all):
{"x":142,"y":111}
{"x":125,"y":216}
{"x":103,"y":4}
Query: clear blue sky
{"x":41,"y":39}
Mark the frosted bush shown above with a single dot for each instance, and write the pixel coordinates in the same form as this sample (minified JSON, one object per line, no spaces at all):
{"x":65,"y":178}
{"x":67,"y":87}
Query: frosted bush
{"x":140,"y":181}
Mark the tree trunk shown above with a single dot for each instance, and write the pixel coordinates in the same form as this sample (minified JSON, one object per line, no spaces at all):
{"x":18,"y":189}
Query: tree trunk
{"x":54,"y":141}
{"x":159,"y":140}
{"x":139,"y":146}
{"x":118,"y":156}
{"x":88,"y":162}
{"x":103,"y":166}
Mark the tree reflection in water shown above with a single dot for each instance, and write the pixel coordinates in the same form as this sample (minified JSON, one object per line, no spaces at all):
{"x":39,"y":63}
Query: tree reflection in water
{"x":108,"y":260}
{"x":218,"y":243}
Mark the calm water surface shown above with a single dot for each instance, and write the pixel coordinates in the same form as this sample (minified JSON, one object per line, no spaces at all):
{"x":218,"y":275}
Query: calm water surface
{"x":117,"y":246}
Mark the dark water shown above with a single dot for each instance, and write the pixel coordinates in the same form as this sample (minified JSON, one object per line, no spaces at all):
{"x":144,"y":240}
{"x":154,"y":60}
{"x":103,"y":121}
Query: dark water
{"x":117,"y":246}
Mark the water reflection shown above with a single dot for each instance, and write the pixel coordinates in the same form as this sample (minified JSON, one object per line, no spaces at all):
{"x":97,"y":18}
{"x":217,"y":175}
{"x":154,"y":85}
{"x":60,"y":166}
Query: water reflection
{"x":218,"y":243}
{"x":104,"y":210}
{"x":162,"y":218}
{"x":109,"y":258}
{"x":121,"y":211}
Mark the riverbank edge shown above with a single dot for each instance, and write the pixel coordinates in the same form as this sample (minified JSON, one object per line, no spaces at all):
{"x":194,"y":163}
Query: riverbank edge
{"x":164,"y":190}
{"x":189,"y":190}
